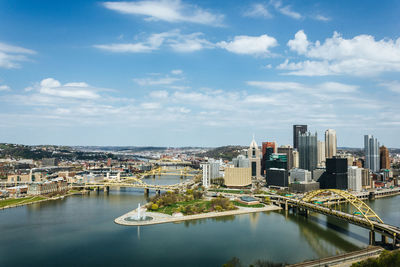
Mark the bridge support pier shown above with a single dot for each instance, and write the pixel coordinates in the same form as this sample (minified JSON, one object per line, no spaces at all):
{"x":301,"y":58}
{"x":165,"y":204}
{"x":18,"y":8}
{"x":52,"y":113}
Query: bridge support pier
{"x":158,"y":192}
{"x":146,"y":191}
{"x":384,"y":239}
{"x":394,"y":240}
{"x":372,"y":237}
{"x":106,"y":189}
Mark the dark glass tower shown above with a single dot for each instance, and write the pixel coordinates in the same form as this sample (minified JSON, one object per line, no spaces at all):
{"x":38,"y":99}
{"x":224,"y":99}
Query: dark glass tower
{"x":298,"y":129}
{"x":308,"y":156}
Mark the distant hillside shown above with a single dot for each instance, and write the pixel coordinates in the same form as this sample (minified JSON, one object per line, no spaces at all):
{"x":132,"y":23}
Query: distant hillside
{"x":224,"y":152}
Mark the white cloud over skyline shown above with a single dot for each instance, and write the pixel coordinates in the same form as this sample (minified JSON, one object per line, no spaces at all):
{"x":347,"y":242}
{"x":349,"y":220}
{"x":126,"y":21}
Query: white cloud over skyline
{"x":361,"y":55}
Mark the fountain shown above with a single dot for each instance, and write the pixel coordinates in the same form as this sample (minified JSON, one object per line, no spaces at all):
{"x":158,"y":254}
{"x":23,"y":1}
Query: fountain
{"x":139,"y":216}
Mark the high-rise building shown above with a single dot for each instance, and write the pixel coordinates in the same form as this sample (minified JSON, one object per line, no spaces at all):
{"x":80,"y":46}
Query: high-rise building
{"x":276,"y":160}
{"x":330,"y":143}
{"x":335,"y":175}
{"x":268,"y":144}
{"x":210,"y":171}
{"x":366,"y":178}
{"x":384,"y":158}
{"x":308,"y":154}
{"x":371,"y":150}
{"x":254,"y":155}
{"x":268,"y":148}
{"x":354,"y":178}
{"x":288,"y":150}
{"x":241,"y":162}
{"x":295,"y":159}
{"x":277,"y":177}
{"x":321,"y":153}
{"x":297,"y":130}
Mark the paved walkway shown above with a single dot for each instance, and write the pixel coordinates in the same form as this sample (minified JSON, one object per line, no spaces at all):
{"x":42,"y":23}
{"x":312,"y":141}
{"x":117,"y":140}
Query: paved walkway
{"x":165,"y":218}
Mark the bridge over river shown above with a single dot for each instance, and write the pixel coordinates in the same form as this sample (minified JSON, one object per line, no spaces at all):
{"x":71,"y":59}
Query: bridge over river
{"x":363,"y":216}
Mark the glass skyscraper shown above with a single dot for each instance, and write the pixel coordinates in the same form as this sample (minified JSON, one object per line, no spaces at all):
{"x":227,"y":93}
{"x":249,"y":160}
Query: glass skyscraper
{"x":371,"y":150}
{"x":308,"y":153}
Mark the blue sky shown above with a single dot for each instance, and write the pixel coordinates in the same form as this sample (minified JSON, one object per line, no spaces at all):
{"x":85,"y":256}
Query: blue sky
{"x":200,"y":73}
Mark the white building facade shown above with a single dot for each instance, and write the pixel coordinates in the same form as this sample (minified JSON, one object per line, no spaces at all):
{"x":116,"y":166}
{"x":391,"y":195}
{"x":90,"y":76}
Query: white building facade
{"x":354,"y":178}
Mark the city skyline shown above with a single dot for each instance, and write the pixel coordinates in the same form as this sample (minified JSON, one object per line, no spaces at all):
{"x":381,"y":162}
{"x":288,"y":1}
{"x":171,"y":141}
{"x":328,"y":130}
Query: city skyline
{"x":197,"y":74}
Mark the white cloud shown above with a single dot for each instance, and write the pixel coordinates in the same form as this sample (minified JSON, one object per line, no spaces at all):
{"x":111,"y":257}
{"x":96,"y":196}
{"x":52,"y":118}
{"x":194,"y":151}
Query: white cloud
{"x":5,"y":88}
{"x":156,"y":81}
{"x":10,"y":55}
{"x":177,"y":72}
{"x":250,"y":45}
{"x":321,"y":18}
{"x":286,"y":10}
{"x":167,"y":10}
{"x":78,"y":90}
{"x":159,"y":94}
{"x":393,"y":86}
{"x":172,"y":39}
{"x":361,"y":56}
{"x":258,"y":10}
{"x":150,"y":105}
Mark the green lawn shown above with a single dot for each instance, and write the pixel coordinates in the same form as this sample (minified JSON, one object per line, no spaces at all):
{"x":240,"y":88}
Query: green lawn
{"x":229,"y":191}
{"x":236,"y":203}
{"x":24,"y":200}
{"x":171,"y":208}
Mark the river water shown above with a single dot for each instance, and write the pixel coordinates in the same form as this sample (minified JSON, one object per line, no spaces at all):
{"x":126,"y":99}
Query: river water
{"x":79,"y":231}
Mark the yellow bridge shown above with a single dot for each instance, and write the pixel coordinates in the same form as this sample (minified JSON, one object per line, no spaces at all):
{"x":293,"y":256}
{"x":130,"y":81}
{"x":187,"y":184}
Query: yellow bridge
{"x":321,"y":201}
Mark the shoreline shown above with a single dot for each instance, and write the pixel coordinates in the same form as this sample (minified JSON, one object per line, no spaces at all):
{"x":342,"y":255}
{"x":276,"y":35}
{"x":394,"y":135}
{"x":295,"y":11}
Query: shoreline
{"x":160,"y":218}
{"x":38,"y":201}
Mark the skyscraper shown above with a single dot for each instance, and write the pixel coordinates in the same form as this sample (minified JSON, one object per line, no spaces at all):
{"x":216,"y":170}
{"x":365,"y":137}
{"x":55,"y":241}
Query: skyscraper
{"x":384,"y":158}
{"x":254,"y":155}
{"x":308,"y":154}
{"x":371,"y":150}
{"x":268,"y":148}
{"x":321,"y":153}
{"x":298,"y":129}
{"x":330,"y":143}
{"x":288,"y":150}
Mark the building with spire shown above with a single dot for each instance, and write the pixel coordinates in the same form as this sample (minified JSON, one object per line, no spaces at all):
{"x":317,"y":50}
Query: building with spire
{"x":254,"y":155}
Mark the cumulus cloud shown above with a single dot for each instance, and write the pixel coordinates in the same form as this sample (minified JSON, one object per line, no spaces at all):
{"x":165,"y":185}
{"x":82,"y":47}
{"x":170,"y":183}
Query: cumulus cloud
{"x":172,"y":11}
{"x":361,"y":55}
{"x":75,"y":90}
{"x":11,"y":56}
{"x":250,"y":45}
{"x":159,"y":94}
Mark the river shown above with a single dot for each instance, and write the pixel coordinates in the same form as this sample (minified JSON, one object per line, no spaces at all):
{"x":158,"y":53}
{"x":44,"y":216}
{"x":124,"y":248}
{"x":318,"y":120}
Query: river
{"x":79,"y":231}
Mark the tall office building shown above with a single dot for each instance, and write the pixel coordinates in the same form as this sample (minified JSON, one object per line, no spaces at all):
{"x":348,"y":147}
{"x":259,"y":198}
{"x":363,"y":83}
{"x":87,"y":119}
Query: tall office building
{"x":268,"y":148}
{"x":268,"y":144}
{"x":241,"y":161}
{"x":330,"y":143}
{"x":297,"y":130}
{"x":295,"y":159}
{"x":308,"y":154}
{"x":371,"y":150}
{"x":288,"y":150}
{"x":210,"y":171}
{"x":254,"y":155}
{"x":354,"y":178}
{"x":335,"y":175}
{"x":321,"y":153}
{"x":384,"y":158}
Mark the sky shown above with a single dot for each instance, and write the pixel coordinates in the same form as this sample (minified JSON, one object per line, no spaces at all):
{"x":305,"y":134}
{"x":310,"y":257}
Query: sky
{"x":198,"y":73}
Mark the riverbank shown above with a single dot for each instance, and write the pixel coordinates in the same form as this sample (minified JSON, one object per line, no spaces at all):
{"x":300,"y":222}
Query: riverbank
{"x":344,"y":260}
{"x":13,"y":203}
{"x":159,"y":218}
